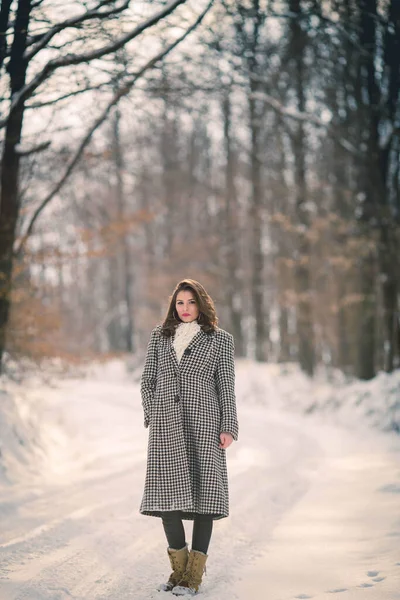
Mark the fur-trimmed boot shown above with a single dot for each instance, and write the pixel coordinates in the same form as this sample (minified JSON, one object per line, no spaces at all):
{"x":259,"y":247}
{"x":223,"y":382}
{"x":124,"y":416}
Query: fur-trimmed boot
{"x":178,"y":560}
{"x":191,"y":579}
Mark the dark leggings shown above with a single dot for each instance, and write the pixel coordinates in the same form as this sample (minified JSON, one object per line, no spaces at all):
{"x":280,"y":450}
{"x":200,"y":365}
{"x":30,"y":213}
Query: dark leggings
{"x":175,"y":532}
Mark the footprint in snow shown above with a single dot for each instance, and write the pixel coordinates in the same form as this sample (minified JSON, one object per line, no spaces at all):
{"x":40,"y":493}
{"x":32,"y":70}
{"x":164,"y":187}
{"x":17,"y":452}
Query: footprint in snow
{"x":303,"y":597}
{"x":372,"y":573}
{"x":365,"y":585}
{"x":337,"y":591}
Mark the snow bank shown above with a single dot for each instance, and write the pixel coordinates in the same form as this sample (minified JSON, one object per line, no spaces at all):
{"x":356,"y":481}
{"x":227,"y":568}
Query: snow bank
{"x":375,"y":403}
{"x":50,"y":423}
{"x":30,"y":437}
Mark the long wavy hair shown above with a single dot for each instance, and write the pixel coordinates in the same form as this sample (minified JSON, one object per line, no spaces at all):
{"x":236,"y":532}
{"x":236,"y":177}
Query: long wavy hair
{"x":207,"y":318}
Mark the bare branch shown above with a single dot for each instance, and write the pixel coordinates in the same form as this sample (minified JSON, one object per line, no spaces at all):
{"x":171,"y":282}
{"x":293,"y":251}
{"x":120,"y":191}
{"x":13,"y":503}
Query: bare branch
{"x":75,"y":22}
{"x":34,"y":150}
{"x":76,"y":59}
{"x":89,"y":88}
{"x":122,"y":92}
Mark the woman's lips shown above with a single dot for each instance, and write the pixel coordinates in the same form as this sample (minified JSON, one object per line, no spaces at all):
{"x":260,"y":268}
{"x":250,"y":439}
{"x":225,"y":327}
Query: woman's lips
{"x":185,"y":315}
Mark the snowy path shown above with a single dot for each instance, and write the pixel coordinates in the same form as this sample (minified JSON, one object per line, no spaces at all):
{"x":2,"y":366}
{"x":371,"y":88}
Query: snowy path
{"x":315,"y":510}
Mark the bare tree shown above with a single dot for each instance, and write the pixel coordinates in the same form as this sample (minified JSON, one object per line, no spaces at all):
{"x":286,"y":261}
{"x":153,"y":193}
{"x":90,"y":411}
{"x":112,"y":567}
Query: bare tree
{"x":29,"y":70}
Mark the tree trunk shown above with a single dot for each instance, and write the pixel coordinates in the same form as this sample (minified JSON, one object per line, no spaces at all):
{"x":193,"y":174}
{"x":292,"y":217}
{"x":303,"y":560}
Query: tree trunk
{"x":377,"y":212}
{"x":305,"y":333}
{"x":168,"y":156}
{"x":389,"y":242}
{"x":284,"y":335}
{"x":281,"y":241}
{"x":231,"y":242}
{"x":367,"y":320}
{"x":9,"y":198}
{"x":256,"y":113}
{"x":124,"y":270}
{"x":4,"y":22}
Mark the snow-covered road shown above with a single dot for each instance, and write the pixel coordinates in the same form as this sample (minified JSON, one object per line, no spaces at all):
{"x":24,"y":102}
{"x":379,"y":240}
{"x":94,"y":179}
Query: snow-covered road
{"x":315,"y":509}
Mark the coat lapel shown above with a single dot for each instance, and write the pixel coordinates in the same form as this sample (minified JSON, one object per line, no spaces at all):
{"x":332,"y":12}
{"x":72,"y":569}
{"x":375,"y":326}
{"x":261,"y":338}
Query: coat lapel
{"x":172,"y":353}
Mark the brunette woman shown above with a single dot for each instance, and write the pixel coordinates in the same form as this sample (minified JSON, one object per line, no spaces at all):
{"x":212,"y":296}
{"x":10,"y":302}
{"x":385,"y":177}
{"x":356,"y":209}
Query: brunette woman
{"x":188,"y":397}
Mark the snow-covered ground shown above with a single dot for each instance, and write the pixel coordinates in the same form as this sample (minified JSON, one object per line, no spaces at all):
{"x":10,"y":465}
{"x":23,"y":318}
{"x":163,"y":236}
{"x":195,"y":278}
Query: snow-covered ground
{"x":314,"y":491}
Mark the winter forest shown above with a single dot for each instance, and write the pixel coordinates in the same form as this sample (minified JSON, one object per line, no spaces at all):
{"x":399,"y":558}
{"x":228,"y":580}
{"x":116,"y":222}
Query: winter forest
{"x":252,"y":145}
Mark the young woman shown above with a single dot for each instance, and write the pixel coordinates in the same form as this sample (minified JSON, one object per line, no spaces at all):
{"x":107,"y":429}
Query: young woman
{"x":188,"y":398}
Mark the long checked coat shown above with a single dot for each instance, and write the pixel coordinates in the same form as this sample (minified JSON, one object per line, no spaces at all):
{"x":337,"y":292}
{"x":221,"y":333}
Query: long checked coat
{"x":186,"y":407}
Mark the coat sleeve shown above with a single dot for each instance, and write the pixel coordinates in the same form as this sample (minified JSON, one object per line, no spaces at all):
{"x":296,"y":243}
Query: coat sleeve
{"x":149,"y":375}
{"x":225,"y":382}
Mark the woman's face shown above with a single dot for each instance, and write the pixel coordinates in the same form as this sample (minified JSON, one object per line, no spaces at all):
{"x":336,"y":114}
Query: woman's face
{"x":186,"y":306}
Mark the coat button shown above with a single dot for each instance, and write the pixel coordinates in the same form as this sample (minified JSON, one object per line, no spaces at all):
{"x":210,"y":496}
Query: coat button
{"x":177,"y":398}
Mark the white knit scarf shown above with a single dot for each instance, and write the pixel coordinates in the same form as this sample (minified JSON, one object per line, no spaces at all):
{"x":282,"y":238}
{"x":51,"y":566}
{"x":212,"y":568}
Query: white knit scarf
{"x":184,"y":333}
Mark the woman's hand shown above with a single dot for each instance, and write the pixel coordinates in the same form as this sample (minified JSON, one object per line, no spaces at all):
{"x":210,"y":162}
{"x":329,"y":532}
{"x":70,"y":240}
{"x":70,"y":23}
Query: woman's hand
{"x":226,"y":440}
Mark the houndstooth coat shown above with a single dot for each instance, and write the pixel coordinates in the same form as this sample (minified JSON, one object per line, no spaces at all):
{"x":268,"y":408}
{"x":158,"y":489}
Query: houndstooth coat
{"x":186,"y":407}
